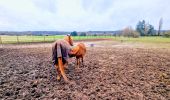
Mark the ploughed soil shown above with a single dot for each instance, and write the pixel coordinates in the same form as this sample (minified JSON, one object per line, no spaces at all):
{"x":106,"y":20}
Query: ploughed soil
{"x":113,"y":71}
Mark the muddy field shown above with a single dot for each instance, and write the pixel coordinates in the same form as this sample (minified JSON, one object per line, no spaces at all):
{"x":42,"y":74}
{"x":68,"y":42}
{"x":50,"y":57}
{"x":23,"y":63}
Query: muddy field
{"x":111,"y":70}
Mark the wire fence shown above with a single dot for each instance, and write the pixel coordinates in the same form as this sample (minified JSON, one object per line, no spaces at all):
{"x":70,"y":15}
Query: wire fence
{"x":6,"y":39}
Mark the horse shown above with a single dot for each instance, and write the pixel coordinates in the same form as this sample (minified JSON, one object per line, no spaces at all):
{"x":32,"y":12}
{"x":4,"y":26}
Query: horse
{"x":79,"y":51}
{"x":60,"y":54}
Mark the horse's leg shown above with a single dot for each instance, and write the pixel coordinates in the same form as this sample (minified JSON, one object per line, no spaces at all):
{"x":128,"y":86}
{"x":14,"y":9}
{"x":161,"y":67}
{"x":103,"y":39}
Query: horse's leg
{"x":82,"y":61}
{"x":61,"y":68}
{"x":66,"y":65}
{"x":78,"y":62}
{"x":58,"y":72}
{"x":77,"y":59}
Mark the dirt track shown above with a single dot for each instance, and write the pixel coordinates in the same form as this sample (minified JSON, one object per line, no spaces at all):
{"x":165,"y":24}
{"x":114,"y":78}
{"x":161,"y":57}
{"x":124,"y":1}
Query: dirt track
{"x":112,"y":71}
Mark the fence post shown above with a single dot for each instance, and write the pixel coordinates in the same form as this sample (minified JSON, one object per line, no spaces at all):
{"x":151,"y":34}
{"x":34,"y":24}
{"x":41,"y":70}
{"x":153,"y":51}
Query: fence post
{"x":32,"y":38}
{"x":17,"y":39}
{"x":44,"y":38}
{"x":54,"y":37}
{"x":0,"y":40}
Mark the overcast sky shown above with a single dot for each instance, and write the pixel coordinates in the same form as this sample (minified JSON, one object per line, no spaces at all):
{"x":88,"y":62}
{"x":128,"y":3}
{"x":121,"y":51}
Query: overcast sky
{"x":81,"y":15}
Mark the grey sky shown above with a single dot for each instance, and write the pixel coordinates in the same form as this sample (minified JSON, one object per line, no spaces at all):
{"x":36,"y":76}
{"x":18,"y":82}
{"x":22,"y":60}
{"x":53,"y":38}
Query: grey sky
{"x":81,"y":15}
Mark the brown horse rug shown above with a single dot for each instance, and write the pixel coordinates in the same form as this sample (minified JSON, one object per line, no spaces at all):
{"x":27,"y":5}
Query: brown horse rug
{"x":60,"y":48}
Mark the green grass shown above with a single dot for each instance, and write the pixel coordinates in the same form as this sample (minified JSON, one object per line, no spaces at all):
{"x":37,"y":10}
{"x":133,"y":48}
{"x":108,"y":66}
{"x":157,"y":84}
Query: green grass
{"x":25,"y":39}
{"x":149,"y":39}
{"x":5,"y":39}
{"x":90,"y":37}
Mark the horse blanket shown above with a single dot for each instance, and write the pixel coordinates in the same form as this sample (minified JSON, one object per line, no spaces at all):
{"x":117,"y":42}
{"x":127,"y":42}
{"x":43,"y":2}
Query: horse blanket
{"x":60,"y":48}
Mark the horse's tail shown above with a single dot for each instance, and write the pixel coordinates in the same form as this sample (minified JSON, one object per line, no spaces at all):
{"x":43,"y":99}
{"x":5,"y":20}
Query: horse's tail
{"x":61,"y":68}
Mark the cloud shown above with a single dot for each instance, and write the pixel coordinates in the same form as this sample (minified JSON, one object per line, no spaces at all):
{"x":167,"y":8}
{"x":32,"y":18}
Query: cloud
{"x":81,"y":15}
{"x":46,"y":5}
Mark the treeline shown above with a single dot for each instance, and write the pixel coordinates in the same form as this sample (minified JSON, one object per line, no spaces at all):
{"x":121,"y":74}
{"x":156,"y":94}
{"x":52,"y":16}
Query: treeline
{"x":142,"y":29}
{"x":96,"y":33}
{"x":145,"y":29}
{"x":74,"y":33}
{"x":39,"y":33}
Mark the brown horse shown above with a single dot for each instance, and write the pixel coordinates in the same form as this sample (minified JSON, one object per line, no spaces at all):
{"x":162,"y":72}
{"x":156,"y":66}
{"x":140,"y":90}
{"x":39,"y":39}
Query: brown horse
{"x":60,"y":52}
{"x":79,"y":51}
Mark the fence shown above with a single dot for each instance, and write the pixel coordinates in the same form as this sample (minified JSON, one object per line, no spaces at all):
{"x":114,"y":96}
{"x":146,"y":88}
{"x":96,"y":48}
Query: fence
{"x":5,"y":39}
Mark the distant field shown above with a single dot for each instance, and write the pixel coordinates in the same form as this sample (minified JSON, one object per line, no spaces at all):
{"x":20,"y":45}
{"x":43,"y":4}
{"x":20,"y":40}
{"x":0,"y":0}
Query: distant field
{"x":148,"y":39}
{"x":22,"y":39}
{"x":25,"y":39}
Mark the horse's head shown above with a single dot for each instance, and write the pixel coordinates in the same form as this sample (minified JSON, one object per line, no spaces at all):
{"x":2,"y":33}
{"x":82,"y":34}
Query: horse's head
{"x":69,"y":39}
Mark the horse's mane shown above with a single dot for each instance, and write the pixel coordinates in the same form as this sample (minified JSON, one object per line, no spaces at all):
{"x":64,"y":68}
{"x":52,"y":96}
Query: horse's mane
{"x":69,"y":39}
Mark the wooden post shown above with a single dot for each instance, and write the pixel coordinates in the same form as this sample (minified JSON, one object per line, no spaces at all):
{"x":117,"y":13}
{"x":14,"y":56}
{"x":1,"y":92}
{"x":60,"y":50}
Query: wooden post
{"x":17,"y":39}
{"x":32,"y":38}
{"x":0,"y":40}
{"x":115,"y":35}
{"x":44,"y":38}
{"x":54,"y":37}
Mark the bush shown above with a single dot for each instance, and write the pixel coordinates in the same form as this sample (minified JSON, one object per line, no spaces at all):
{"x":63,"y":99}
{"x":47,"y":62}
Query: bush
{"x":166,"y":34}
{"x":83,"y":34}
{"x":94,"y":34}
{"x":74,"y":33}
{"x":135,"y":34}
{"x":129,"y":32}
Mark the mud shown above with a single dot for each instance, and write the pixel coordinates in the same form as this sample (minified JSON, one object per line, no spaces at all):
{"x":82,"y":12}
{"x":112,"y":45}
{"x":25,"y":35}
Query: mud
{"x":109,"y":73}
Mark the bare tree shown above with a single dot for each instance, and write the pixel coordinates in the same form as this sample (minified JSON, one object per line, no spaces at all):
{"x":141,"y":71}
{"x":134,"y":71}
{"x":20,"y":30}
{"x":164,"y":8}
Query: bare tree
{"x":160,"y":26}
{"x":129,"y":32}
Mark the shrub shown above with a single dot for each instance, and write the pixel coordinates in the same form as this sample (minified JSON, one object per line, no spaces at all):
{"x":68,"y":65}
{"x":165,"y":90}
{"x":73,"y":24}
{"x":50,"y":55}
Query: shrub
{"x":94,"y":34}
{"x":83,"y":34}
{"x":74,"y":33}
{"x":129,"y":32}
{"x":135,"y":34}
{"x":166,"y":34}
